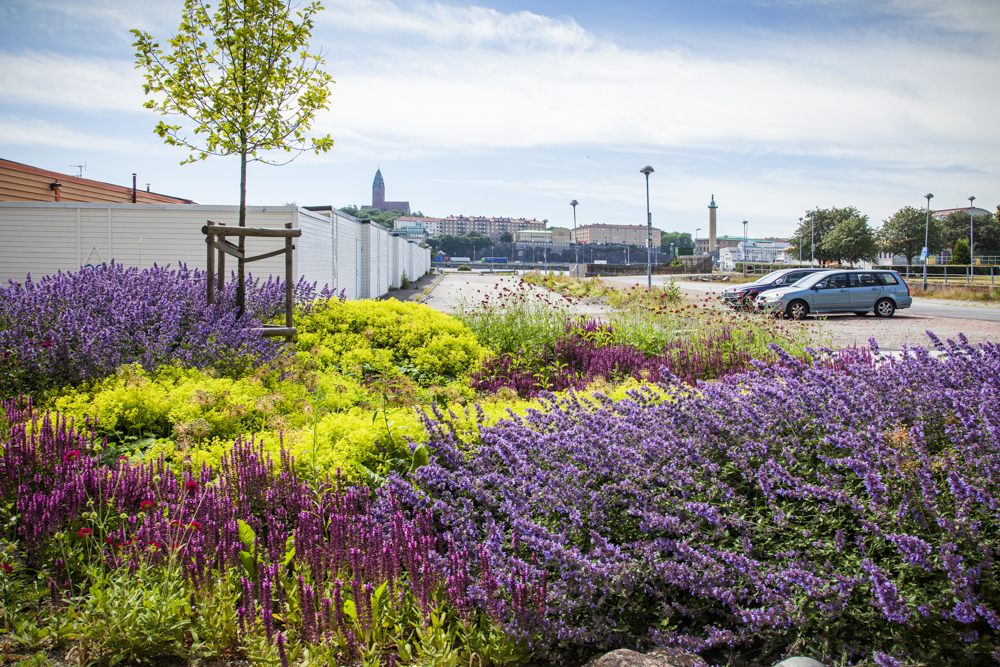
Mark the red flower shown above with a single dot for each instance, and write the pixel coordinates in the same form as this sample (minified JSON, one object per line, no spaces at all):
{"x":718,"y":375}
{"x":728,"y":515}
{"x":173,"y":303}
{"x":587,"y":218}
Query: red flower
{"x":6,"y":568}
{"x":175,"y":523}
{"x":84,"y":532}
{"x":191,"y":486}
{"x":154,"y":546}
{"x":47,"y":343}
{"x":194,"y":525}
{"x":146,"y":505}
{"x":110,"y":541}
{"x":71,"y":455}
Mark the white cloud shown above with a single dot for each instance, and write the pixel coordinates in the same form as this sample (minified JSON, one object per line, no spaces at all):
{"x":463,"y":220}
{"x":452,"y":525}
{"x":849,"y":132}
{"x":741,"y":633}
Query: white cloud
{"x":33,"y":132}
{"x":52,"y":80}
{"x":454,"y":26}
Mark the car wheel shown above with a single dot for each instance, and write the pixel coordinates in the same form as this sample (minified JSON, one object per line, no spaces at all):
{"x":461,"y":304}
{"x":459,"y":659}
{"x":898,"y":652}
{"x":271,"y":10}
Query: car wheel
{"x":860,"y":313}
{"x":797,"y":310}
{"x":885,"y":308}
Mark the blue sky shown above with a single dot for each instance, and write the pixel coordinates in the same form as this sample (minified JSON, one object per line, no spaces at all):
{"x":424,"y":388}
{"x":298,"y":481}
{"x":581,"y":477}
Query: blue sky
{"x":514,"y":108}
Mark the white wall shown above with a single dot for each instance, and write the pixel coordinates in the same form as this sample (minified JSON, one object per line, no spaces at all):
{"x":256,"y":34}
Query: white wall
{"x":42,"y":238}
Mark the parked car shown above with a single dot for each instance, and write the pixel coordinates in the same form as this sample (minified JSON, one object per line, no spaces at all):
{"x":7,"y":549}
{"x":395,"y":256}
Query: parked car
{"x":858,"y":292}
{"x":744,"y":296}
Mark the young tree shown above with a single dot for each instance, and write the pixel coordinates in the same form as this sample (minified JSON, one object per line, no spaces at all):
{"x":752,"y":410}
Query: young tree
{"x":244,"y":81}
{"x":903,"y":233}
{"x":852,"y":240}
{"x":960,"y":253}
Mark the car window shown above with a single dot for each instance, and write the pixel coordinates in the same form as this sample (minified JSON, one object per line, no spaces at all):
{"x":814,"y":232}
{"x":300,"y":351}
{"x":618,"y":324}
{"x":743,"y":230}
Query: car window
{"x":888,"y":278}
{"x":794,"y":277}
{"x":769,"y":278}
{"x":863,"y":280}
{"x":836,"y":281}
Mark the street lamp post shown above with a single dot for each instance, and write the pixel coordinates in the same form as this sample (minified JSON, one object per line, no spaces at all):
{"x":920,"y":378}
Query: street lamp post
{"x":647,"y":170}
{"x":574,"y":204}
{"x":697,"y":229}
{"x":972,"y":242}
{"x":812,"y":240}
{"x":927,"y":232}
{"x":800,"y":241}
{"x":744,"y":248}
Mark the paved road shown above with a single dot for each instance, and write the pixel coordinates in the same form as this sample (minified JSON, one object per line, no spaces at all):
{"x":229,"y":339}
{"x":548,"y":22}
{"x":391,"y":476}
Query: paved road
{"x":927,"y":307}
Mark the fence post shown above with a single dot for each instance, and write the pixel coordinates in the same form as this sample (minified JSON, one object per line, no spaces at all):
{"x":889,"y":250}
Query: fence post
{"x":289,"y":276}
{"x":945,"y":274}
{"x":210,"y":268}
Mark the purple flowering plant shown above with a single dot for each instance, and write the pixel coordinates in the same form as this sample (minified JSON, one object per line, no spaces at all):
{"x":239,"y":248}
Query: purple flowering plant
{"x":79,"y":326}
{"x":845,"y":509}
{"x":286,"y":565}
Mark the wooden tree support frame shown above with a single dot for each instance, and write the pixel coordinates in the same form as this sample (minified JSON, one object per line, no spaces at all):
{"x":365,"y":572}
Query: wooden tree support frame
{"x":215,"y":241}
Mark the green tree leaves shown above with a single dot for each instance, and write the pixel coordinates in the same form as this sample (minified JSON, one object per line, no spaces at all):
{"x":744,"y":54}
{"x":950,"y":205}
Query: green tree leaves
{"x":904,"y":233}
{"x":851,"y":240}
{"x":243,"y":77}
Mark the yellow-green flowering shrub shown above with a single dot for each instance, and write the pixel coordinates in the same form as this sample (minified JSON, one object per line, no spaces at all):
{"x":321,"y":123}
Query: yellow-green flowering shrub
{"x":423,"y":342}
{"x":134,"y":402}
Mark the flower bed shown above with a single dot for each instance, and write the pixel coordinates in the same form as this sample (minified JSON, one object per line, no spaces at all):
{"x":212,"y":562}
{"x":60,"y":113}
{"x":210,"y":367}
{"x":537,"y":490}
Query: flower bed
{"x":846,"y":510}
{"x":244,"y":559}
{"x":78,"y":326}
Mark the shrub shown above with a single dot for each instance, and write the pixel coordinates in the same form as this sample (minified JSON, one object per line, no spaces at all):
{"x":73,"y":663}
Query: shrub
{"x":464,"y":267}
{"x":844,"y":510}
{"x":404,"y":281}
{"x":79,"y":326}
{"x":365,"y":338}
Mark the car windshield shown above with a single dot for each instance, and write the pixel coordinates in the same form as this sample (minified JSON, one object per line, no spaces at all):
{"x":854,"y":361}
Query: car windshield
{"x":771,"y":277}
{"x":811,"y":279}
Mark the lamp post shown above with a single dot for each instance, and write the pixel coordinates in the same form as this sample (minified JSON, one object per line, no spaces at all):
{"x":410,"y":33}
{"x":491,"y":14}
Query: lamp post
{"x":812,"y":240}
{"x":744,"y":248}
{"x":647,"y":170}
{"x":697,"y":229}
{"x":800,"y":241}
{"x":927,"y":232}
{"x":972,"y":241}
{"x":574,"y":204}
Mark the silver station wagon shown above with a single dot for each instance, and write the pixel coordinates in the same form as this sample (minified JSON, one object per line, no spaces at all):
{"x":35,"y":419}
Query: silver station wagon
{"x":858,"y":292}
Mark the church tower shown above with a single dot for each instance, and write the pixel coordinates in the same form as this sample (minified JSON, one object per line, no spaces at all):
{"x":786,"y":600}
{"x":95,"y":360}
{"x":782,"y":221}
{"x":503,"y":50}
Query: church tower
{"x":378,"y":191}
{"x":712,"y":243}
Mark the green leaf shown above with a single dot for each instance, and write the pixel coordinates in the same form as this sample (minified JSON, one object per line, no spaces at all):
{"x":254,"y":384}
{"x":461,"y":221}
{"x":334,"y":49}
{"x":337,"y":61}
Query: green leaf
{"x":249,"y":564}
{"x":420,"y":458}
{"x":247,"y":536}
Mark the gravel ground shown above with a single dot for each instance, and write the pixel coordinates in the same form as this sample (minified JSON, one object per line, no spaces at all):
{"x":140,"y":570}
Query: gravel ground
{"x":891,"y":333}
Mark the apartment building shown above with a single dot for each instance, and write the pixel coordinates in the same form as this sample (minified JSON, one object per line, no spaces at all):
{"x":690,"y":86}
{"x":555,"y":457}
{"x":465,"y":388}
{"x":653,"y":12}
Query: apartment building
{"x":615,"y":235}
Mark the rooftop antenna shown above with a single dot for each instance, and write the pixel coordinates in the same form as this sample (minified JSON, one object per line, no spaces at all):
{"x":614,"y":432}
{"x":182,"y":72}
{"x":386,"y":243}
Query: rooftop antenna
{"x":81,"y":167}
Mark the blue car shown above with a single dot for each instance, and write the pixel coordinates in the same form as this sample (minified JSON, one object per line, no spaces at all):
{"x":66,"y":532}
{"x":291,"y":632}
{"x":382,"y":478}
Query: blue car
{"x":858,"y":292}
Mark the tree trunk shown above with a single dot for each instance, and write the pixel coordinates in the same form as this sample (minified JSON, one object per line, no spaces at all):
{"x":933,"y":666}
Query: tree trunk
{"x":241,"y":278}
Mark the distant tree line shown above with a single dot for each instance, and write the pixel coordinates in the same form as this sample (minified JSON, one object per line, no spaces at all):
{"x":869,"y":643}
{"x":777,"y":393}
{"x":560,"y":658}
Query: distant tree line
{"x":386,"y":219}
{"x":843,"y":235}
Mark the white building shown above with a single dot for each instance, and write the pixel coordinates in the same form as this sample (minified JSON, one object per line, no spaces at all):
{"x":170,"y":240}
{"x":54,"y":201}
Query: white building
{"x":335,"y":249}
{"x":753,"y":252}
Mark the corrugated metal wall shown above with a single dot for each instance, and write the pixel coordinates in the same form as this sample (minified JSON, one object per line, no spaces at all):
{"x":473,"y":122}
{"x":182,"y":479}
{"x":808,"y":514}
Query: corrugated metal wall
{"x":334,"y":249}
